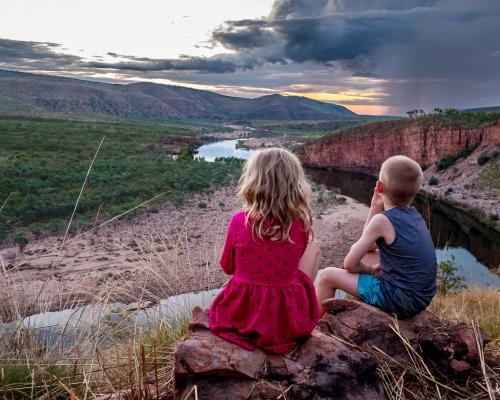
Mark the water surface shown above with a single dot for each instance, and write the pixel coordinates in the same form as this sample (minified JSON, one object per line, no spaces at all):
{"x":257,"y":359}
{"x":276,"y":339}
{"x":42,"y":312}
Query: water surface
{"x":223,"y":148}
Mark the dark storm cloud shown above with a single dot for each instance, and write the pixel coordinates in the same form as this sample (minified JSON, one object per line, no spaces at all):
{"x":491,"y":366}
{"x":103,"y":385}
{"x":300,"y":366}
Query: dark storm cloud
{"x":245,"y":34}
{"x":217,"y":64}
{"x":415,"y":47}
{"x":325,"y":31}
{"x":15,"y":51}
{"x":48,"y":57}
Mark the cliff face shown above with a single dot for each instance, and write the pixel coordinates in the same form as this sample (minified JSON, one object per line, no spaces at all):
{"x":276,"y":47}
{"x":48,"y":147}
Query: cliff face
{"x":364,"y":148}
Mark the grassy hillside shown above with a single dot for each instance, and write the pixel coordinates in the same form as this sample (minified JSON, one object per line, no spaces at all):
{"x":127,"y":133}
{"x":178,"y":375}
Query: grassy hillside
{"x":304,"y":129}
{"x":49,"y":96}
{"x":494,"y":109}
{"x":43,"y":166}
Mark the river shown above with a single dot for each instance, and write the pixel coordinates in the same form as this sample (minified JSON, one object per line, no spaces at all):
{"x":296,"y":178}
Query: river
{"x":456,"y":235}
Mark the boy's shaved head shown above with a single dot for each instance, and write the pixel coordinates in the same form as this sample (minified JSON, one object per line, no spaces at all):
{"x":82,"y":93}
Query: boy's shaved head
{"x":401,"y":177}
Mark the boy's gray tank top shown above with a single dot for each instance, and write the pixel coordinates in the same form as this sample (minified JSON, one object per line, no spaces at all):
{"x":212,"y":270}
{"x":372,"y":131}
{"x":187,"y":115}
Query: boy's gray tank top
{"x":409,"y":265}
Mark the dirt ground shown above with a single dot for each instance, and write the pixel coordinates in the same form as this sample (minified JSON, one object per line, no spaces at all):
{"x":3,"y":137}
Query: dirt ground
{"x":155,"y":255}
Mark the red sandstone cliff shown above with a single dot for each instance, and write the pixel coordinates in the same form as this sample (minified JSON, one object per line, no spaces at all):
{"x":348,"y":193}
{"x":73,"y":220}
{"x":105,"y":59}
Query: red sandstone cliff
{"x":364,"y":148}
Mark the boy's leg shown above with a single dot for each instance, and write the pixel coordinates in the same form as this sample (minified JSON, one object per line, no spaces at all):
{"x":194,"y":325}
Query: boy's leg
{"x":331,"y":279}
{"x":309,"y":263}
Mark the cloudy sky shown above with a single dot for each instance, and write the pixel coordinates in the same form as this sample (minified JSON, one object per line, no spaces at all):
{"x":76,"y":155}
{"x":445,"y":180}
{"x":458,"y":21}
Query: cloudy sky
{"x":373,"y":56}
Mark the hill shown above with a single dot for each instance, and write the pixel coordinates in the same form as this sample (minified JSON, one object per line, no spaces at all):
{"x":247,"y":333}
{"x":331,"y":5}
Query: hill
{"x":50,"y":96}
{"x":493,"y":109}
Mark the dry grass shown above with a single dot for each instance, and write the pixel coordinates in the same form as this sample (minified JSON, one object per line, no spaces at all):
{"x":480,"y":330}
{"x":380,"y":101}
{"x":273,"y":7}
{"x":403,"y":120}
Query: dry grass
{"x":104,"y":347}
{"x":481,"y":308}
{"x":475,"y":304}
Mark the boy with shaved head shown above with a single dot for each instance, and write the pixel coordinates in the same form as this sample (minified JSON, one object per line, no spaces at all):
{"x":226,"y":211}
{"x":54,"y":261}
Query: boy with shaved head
{"x":393,"y":265}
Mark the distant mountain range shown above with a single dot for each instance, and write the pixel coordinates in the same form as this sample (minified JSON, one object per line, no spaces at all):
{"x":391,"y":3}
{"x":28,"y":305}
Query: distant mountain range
{"x":49,"y":96}
{"x":494,"y":109}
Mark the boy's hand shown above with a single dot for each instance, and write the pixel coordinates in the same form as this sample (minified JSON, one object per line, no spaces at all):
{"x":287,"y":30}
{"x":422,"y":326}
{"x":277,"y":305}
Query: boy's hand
{"x":377,"y":203}
{"x":376,"y":270}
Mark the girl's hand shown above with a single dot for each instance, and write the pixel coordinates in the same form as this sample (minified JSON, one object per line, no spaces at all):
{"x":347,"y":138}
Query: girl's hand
{"x":375,"y":270}
{"x":377,"y":203}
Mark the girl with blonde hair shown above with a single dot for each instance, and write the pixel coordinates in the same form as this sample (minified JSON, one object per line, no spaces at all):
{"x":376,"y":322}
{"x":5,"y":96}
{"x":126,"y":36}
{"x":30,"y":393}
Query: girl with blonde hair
{"x":270,"y":301}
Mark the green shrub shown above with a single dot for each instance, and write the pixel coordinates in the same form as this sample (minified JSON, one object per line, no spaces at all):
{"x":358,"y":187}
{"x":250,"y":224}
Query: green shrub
{"x":433,"y":181}
{"x":494,"y":217}
{"x":447,"y":279}
{"x":448,"y":161}
{"x":187,"y":153}
{"x":483,"y":159}
{"x":21,"y":240}
{"x":202,"y":204}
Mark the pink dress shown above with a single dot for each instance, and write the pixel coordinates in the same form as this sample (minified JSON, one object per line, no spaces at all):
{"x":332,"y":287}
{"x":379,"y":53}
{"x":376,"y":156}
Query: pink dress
{"x":268,"y":303}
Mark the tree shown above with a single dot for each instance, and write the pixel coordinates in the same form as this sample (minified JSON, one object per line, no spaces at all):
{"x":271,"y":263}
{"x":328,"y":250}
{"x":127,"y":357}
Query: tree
{"x":187,"y":152}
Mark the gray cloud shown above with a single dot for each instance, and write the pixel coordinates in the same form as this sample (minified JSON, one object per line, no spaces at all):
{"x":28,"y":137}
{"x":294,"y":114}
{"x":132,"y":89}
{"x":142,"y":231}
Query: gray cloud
{"x":15,"y":51}
{"x":222,"y":63}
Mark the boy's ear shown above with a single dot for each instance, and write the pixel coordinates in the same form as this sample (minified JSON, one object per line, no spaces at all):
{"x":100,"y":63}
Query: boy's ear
{"x":379,"y":187}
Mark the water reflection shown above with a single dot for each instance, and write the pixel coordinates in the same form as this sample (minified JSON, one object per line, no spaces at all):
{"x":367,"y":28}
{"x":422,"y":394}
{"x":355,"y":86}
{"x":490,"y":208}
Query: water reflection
{"x":223,"y":148}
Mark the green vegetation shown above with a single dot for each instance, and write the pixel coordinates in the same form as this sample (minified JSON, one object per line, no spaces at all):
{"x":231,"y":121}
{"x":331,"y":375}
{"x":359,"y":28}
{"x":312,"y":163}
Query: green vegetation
{"x":447,"y":279}
{"x":490,"y":176}
{"x":454,"y":117}
{"x":301,"y":130}
{"x":187,"y":153}
{"x":483,"y":159}
{"x":29,"y":382}
{"x":448,"y":161}
{"x":433,"y":181}
{"x":43,"y":166}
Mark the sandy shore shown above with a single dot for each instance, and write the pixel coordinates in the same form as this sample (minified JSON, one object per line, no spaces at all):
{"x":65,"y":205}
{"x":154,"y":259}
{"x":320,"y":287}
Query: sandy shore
{"x":154,"y":255}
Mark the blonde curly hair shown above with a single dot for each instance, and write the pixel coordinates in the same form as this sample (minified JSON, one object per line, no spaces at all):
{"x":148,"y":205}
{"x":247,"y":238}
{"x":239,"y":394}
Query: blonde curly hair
{"x":275,"y":193}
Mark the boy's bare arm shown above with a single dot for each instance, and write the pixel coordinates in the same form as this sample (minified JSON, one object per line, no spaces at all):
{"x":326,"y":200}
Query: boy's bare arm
{"x":376,"y":207}
{"x":377,"y":227}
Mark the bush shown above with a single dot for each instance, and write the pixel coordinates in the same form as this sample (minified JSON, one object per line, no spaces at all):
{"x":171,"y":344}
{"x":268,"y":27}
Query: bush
{"x":448,"y":161}
{"x":21,"y":240}
{"x":202,"y":204}
{"x":447,"y":279}
{"x":433,"y":181}
{"x":483,"y":159}
{"x":187,"y":153}
{"x":494,"y":217}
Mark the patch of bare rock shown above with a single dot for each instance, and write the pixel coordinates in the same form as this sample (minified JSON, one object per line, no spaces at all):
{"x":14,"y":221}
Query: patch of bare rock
{"x":336,"y":362}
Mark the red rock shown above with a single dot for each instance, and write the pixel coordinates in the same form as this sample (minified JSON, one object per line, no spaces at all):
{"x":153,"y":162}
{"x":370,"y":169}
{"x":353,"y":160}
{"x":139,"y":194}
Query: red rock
{"x":451,"y":349}
{"x":322,"y":368}
{"x":202,"y":353}
{"x":365,"y":148}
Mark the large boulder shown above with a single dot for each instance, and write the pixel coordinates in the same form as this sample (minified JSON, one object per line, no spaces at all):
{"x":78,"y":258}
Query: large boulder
{"x":322,"y":368}
{"x":449,"y":349}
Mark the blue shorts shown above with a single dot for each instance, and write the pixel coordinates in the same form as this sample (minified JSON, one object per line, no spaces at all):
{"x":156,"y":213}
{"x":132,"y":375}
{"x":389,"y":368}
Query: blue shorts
{"x":369,"y":290}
